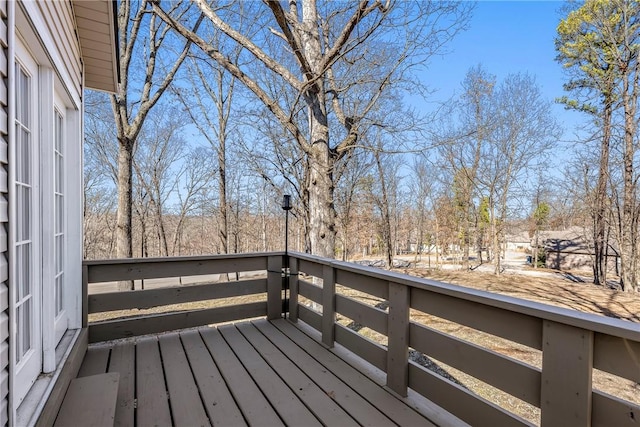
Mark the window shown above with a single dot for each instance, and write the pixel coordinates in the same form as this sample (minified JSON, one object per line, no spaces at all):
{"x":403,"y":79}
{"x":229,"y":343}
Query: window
{"x":59,"y":213}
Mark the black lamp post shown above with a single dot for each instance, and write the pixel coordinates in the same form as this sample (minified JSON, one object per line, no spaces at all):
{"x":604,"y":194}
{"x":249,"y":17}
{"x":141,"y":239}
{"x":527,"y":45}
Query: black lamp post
{"x":286,"y":206}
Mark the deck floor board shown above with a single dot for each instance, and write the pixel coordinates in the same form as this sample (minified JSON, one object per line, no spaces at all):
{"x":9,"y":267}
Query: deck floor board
{"x":151,"y":391}
{"x":249,"y":373}
{"x":281,"y":397}
{"x":95,"y":362}
{"x":254,"y":405}
{"x":399,"y":412}
{"x":122,"y":361}
{"x":184,"y":399}
{"x":219,"y":404}
{"x":359,"y":408}
{"x":320,"y":402}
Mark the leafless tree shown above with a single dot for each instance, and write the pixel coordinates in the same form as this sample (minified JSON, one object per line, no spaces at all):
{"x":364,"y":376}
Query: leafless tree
{"x":348,"y":194}
{"x":423,"y":181}
{"x":149,"y":65}
{"x":464,"y":149}
{"x":159,"y":166}
{"x":525,"y":132}
{"x":325,"y":44}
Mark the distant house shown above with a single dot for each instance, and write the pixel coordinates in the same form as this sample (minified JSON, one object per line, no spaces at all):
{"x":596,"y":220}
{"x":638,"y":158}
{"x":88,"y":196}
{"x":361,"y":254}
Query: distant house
{"x":571,"y":249}
{"x":519,"y":242}
{"x":51,"y":51}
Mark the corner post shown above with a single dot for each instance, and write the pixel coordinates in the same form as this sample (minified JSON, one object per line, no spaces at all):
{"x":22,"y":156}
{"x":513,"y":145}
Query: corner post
{"x":328,"y":305}
{"x":274,"y":287}
{"x":85,"y":295}
{"x":293,"y":288}
{"x":567,"y":367}
{"x":398,"y":338}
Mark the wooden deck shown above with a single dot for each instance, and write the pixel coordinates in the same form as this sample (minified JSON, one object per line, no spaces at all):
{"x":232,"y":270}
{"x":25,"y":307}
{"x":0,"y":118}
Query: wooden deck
{"x":251,"y":373}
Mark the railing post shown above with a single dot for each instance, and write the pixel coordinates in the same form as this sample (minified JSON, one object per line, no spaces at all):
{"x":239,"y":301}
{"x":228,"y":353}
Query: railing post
{"x":85,"y":295}
{"x":398,"y":338}
{"x":328,"y":305}
{"x":293,"y":289}
{"x":274,"y":287}
{"x":567,"y":367}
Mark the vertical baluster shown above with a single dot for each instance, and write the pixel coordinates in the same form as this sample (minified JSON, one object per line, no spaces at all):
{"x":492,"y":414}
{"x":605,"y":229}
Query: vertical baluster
{"x":274,"y":287}
{"x":567,"y":367}
{"x":293,"y":289}
{"x":398,"y":338}
{"x":328,"y":305}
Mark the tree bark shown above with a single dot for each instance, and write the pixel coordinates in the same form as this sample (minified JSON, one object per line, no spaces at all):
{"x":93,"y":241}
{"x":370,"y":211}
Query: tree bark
{"x":124,"y":244}
{"x":322,"y":214}
{"x":629,"y":223}
{"x":386,"y":216}
{"x":600,"y":208}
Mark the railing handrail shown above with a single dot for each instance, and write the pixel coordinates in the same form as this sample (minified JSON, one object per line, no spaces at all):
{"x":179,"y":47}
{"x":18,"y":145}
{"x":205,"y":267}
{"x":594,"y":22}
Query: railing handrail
{"x":180,"y":258}
{"x":607,"y":325}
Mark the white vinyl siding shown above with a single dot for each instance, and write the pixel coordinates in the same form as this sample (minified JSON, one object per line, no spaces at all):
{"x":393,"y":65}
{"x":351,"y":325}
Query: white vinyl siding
{"x":58,"y":16}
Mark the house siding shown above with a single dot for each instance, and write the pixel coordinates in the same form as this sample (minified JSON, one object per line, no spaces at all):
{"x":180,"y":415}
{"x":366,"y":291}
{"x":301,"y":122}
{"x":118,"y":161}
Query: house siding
{"x":4,"y":221}
{"x":60,"y":22}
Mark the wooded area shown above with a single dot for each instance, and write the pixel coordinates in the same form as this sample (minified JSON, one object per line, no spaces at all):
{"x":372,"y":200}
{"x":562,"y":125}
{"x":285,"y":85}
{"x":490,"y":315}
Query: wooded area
{"x":224,"y":110}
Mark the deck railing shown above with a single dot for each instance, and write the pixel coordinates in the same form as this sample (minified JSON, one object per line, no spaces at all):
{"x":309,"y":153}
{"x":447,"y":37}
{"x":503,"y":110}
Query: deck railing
{"x":265,"y":268}
{"x":572,"y":344}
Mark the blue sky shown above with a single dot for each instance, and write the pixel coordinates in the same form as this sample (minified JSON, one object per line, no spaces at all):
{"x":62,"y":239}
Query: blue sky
{"x":507,"y":37}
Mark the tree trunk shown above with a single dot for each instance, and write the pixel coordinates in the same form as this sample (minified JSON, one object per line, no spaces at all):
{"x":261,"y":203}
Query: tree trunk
{"x":162,"y":234}
{"x":322,"y":214}
{"x":535,"y":248}
{"x":599,"y":222}
{"x":386,"y":216}
{"x":495,"y":244}
{"x":321,"y":208}
{"x":124,"y":246}
{"x":629,"y":220}
{"x":223,"y":231}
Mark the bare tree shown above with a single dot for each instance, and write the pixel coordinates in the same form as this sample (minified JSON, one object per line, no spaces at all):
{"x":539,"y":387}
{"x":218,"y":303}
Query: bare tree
{"x":382,"y":195}
{"x":463,"y":152}
{"x":208,"y":100}
{"x":348,"y":196}
{"x":325,"y":43}
{"x":144,"y":79}
{"x":525,"y":132}
{"x":197,"y":177}
{"x":505,"y":131}
{"x":422,"y":186}
{"x":159,"y":152}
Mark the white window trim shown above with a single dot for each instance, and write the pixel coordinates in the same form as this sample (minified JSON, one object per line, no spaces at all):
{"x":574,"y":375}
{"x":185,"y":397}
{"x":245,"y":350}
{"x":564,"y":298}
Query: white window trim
{"x":46,"y":218}
{"x":26,"y":365}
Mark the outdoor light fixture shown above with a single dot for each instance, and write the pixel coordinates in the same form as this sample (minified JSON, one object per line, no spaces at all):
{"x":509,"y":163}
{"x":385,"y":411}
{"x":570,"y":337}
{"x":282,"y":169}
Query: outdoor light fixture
{"x":286,"y":202}
{"x":286,"y":206}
